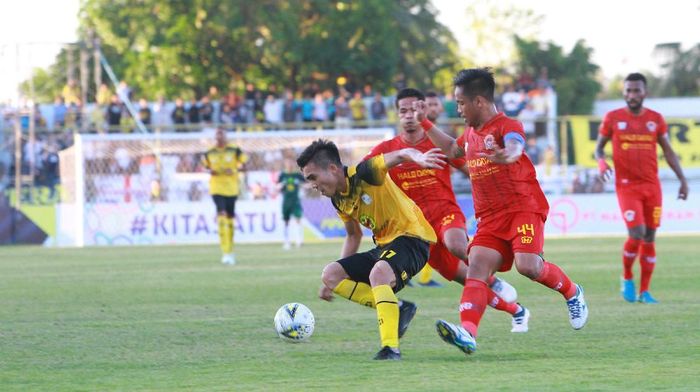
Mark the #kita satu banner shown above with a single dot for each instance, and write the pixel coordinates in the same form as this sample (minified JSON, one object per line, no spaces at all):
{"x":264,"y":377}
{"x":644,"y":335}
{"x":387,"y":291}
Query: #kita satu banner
{"x":178,"y":223}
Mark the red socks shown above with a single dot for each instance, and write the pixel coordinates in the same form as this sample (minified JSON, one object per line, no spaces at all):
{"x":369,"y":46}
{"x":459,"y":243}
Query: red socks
{"x":554,"y":278}
{"x":647,"y":258}
{"x":629,"y":254}
{"x":498,"y":303}
{"x":473,"y":304}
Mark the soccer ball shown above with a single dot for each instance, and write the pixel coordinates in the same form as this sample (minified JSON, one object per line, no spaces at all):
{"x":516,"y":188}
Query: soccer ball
{"x":294,"y":322}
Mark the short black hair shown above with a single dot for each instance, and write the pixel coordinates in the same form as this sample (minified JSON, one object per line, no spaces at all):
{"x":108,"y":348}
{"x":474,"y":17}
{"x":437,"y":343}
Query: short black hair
{"x":431,"y":94}
{"x":321,"y":152}
{"x":409,"y":92}
{"x":476,"y":82}
{"x":635,"y":77}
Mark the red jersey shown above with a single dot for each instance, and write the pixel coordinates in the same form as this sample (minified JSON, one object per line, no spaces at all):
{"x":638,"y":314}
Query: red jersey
{"x":430,"y":189}
{"x":498,"y":188}
{"x":634,"y":139}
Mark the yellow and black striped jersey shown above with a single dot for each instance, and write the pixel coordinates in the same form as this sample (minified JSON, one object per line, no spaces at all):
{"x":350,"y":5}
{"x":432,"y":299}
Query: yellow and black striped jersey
{"x":220,"y":160}
{"x":377,"y":203}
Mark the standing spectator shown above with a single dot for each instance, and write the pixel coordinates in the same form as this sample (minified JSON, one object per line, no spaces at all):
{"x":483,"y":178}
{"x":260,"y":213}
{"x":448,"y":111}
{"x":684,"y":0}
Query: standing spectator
{"x":124,"y":91}
{"x":249,"y":104}
{"x":161,"y":115}
{"x":307,"y":109}
{"x":193,"y":112}
{"x":59,"y":113}
{"x":206,"y":110}
{"x":513,"y":101}
{"x":272,"y":110}
{"x":330,"y":104}
{"x":320,"y":110}
{"x":450,"y":106}
{"x":70,"y":92}
{"x":289,"y":108}
{"x":357,"y":108}
{"x":378,"y":109}
{"x":144,"y":112}
{"x":227,"y":115}
{"x":50,"y":169}
{"x":342,"y":112}
{"x":528,"y":116}
{"x":114,"y":114}
{"x":258,"y":107}
{"x":178,"y":115}
{"x":104,"y":95}
{"x":74,"y":116}
{"x":533,"y":150}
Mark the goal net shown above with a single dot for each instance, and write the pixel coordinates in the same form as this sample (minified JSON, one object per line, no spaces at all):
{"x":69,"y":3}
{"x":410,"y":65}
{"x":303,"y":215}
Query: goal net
{"x":122,"y":189}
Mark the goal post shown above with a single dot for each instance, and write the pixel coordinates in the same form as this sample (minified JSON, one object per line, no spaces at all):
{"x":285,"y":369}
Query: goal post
{"x":128,"y":189}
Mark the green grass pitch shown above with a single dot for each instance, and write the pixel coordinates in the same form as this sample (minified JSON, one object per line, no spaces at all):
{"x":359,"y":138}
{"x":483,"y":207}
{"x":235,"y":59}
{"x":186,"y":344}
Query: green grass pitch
{"x":173,"y":318}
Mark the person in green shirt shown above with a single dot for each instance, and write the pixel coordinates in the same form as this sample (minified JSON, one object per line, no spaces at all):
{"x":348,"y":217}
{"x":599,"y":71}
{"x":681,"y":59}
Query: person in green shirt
{"x":289,"y":182}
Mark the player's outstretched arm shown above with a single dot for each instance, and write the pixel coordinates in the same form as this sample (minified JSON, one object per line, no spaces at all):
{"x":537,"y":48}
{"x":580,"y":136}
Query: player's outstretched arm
{"x":432,"y":159}
{"x":514,"y":144}
{"x":604,"y":169}
{"x":440,"y":139}
{"x":672,"y":161}
{"x":352,"y":239}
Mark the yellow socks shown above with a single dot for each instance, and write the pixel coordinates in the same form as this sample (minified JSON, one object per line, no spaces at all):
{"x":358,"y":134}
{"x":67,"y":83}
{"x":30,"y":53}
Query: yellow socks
{"x":387,"y":314}
{"x":355,"y":291}
{"x":225,"y":234}
{"x":425,"y":274}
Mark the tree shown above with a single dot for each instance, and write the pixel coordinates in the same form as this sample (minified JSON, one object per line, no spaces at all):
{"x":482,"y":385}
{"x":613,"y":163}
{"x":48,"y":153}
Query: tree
{"x":572,"y":74}
{"x":179,"y":46}
{"x":680,"y":71}
{"x":489,"y":31}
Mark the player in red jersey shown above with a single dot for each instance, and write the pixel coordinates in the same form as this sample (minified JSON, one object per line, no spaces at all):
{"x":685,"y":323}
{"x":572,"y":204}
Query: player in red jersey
{"x":433,"y":110}
{"x":508,"y":202}
{"x":431,"y":190}
{"x":635,"y":131}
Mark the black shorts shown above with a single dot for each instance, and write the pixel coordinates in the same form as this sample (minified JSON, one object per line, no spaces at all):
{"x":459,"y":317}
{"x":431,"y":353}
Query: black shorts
{"x":225,"y":204}
{"x":406,"y":256}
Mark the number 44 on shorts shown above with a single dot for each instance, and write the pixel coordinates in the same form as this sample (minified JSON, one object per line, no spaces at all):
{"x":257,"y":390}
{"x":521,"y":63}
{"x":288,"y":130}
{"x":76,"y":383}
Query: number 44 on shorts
{"x":523,"y":230}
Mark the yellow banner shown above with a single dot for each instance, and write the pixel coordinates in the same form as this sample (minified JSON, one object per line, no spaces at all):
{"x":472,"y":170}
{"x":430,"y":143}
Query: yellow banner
{"x":684,"y":135}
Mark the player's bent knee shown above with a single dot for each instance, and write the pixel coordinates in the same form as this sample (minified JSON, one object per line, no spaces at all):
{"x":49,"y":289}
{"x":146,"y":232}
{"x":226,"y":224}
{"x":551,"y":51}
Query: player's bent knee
{"x":528,"y":267}
{"x":332,"y":274}
{"x":382,"y":273}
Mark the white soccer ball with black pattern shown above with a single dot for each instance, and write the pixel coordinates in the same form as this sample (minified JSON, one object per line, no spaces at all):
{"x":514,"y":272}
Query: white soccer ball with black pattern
{"x":294,"y":322}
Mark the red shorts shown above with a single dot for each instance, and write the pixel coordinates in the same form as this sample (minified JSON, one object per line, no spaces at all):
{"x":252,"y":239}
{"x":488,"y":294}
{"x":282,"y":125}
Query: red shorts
{"x":518,"y":232}
{"x":440,"y":257}
{"x":640,"y":205}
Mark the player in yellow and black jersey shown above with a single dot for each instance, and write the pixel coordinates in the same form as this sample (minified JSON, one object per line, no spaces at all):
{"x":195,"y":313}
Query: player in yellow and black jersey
{"x":224,"y":162}
{"x":364,"y":194}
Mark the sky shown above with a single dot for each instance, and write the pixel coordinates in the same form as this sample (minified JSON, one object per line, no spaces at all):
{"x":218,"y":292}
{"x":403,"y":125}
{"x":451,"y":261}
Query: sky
{"x":622,"y":33}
